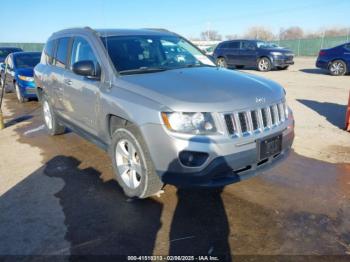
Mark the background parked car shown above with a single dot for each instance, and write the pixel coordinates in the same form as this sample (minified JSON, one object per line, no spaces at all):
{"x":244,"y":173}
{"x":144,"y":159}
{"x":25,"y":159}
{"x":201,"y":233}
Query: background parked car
{"x":19,"y":74}
{"x":4,"y":52}
{"x":336,"y":59}
{"x":263,"y":55}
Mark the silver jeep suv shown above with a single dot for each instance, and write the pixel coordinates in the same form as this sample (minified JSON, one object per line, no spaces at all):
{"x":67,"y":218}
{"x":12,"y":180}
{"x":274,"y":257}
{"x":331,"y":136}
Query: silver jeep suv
{"x":163,"y":111}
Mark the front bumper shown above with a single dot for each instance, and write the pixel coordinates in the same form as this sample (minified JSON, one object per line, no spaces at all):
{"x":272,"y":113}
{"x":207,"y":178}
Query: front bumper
{"x":27,"y":89}
{"x":229,"y":160}
{"x":281,"y":61}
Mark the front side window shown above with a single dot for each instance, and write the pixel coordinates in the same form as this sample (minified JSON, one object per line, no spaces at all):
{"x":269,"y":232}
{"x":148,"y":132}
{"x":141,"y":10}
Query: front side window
{"x":248,"y":45}
{"x":49,"y":52}
{"x":82,"y":51}
{"x":347,"y":47}
{"x":27,"y":60}
{"x":134,"y":54}
{"x":262,"y":44}
{"x":61,"y":54}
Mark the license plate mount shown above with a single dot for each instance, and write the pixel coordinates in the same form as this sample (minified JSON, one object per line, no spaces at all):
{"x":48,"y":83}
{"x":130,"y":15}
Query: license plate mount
{"x":270,"y":146}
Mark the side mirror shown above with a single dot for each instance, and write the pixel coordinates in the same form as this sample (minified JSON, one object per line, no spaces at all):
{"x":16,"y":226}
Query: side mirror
{"x":87,"y":68}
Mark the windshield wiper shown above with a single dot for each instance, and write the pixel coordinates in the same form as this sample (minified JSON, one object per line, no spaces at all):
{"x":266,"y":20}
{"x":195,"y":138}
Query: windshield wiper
{"x":142,"y":70}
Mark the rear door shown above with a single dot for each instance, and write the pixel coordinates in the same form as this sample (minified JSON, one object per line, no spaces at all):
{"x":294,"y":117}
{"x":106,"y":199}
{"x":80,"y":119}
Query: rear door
{"x":82,"y":93}
{"x":248,"y":53}
{"x":56,"y":77}
{"x":232,"y":52}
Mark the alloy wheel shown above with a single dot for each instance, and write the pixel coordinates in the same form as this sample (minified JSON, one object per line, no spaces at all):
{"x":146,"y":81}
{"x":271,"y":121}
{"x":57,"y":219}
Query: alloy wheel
{"x":129,"y":163}
{"x":47,"y":115}
{"x":263,"y":64}
{"x":337,"y":68}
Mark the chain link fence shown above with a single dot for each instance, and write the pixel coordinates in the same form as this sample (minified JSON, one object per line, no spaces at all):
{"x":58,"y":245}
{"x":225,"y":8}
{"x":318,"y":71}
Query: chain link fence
{"x":311,"y":47}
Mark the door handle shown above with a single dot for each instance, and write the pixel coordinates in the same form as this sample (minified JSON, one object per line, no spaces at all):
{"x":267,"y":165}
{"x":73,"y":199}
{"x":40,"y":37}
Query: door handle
{"x":68,"y":82}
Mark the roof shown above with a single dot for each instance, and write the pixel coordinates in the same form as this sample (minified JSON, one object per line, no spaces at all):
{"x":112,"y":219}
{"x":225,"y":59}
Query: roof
{"x":118,"y":32}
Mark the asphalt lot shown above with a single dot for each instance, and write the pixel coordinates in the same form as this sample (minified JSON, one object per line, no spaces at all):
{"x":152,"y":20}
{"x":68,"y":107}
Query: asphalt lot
{"x":57,"y":198}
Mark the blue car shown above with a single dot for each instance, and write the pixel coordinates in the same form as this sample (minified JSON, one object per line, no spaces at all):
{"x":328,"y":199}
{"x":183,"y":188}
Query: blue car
{"x":18,"y":74}
{"x":336,"y":60}
{"x":253,"y":53}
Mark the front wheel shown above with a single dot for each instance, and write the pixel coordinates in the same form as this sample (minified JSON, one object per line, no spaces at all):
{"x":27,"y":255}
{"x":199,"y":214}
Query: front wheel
{"x":132,"y":164}
{"x":53,"y":127}
{"x":19,"y":95}
{"x":264,"y":64}
{"x":337,"y":68}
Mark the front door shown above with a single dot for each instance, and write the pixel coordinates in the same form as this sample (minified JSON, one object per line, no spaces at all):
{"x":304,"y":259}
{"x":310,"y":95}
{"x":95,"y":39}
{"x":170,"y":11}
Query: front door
{"x":81,"y":93}
{"x":248,"y":53}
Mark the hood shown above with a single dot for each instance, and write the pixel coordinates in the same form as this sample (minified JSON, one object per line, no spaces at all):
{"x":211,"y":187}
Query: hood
{"x":206,"y":89}
{"x":25,"y":71}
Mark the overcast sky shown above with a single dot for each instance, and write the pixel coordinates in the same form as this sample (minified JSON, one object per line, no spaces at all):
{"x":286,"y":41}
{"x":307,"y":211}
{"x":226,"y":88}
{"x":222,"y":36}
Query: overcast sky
{"x":35,"y":20}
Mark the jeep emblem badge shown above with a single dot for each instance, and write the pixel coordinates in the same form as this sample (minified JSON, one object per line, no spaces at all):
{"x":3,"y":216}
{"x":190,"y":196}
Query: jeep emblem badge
{"x":260,"y":100}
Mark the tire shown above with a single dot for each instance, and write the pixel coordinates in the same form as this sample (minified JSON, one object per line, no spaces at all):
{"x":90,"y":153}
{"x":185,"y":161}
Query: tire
{"x":221,"y":62}
{"x":53,"y":127}
{"x":239,"y":66}
{"x":264,"y":64}
{"x":19,"y":95}
{"x":337,"y":68}
{"x":282,"y":67}
{"x":142,"y":183}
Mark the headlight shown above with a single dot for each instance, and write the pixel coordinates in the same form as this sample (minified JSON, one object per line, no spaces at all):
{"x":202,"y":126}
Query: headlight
{"x":286,"y":109}
{"x":190,"y":123}
{"x":26,"y":78}
{"x":276,"y":53}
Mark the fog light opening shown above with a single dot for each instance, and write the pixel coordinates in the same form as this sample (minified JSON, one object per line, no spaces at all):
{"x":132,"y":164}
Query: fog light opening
{"x":193,"y":159}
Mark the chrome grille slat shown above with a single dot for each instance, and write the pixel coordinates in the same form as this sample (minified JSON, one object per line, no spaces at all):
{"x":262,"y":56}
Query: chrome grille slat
{"x":243,"y":123}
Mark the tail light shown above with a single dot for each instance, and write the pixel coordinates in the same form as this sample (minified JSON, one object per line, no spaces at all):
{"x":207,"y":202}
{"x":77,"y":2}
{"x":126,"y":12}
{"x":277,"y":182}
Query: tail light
{"x":322,"y":53}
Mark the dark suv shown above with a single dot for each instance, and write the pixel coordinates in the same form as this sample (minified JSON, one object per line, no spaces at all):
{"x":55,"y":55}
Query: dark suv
{"x":264,"y":55}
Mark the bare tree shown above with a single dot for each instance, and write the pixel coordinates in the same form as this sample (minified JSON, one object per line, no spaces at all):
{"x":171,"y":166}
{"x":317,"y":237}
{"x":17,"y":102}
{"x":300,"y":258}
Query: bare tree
{"x":294,"y":32}
{"x":336,"y":31}
{"x":259,"y":32}
{"x":211,"y":35}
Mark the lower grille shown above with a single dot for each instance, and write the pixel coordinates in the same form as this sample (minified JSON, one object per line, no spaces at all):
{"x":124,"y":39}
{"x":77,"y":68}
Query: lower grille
{"x":246,"y":122}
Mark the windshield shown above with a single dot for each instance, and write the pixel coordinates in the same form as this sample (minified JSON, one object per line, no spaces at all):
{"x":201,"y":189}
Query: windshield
{"x":139,"y":54}
{"x":262,"y":44}
{"x":27,"y":60}
{"x":5,"y":52}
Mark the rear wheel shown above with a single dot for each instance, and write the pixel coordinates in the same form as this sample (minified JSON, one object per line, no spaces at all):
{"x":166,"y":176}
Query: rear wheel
{"x":132,"y":164}
{"x":19,"y":95}
{"x":221,"y":62}
{"x":53,"y":127}
{"x":337,"y":68}
{"x":264,"y":64}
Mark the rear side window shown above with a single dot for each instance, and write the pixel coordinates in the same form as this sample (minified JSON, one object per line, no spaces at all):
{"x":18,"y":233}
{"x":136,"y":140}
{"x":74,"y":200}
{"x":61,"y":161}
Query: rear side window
{"x":62,"y":51}
{"x":82,"y":51}
{"x":234,"y":45}
{"x":49,"y":52}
